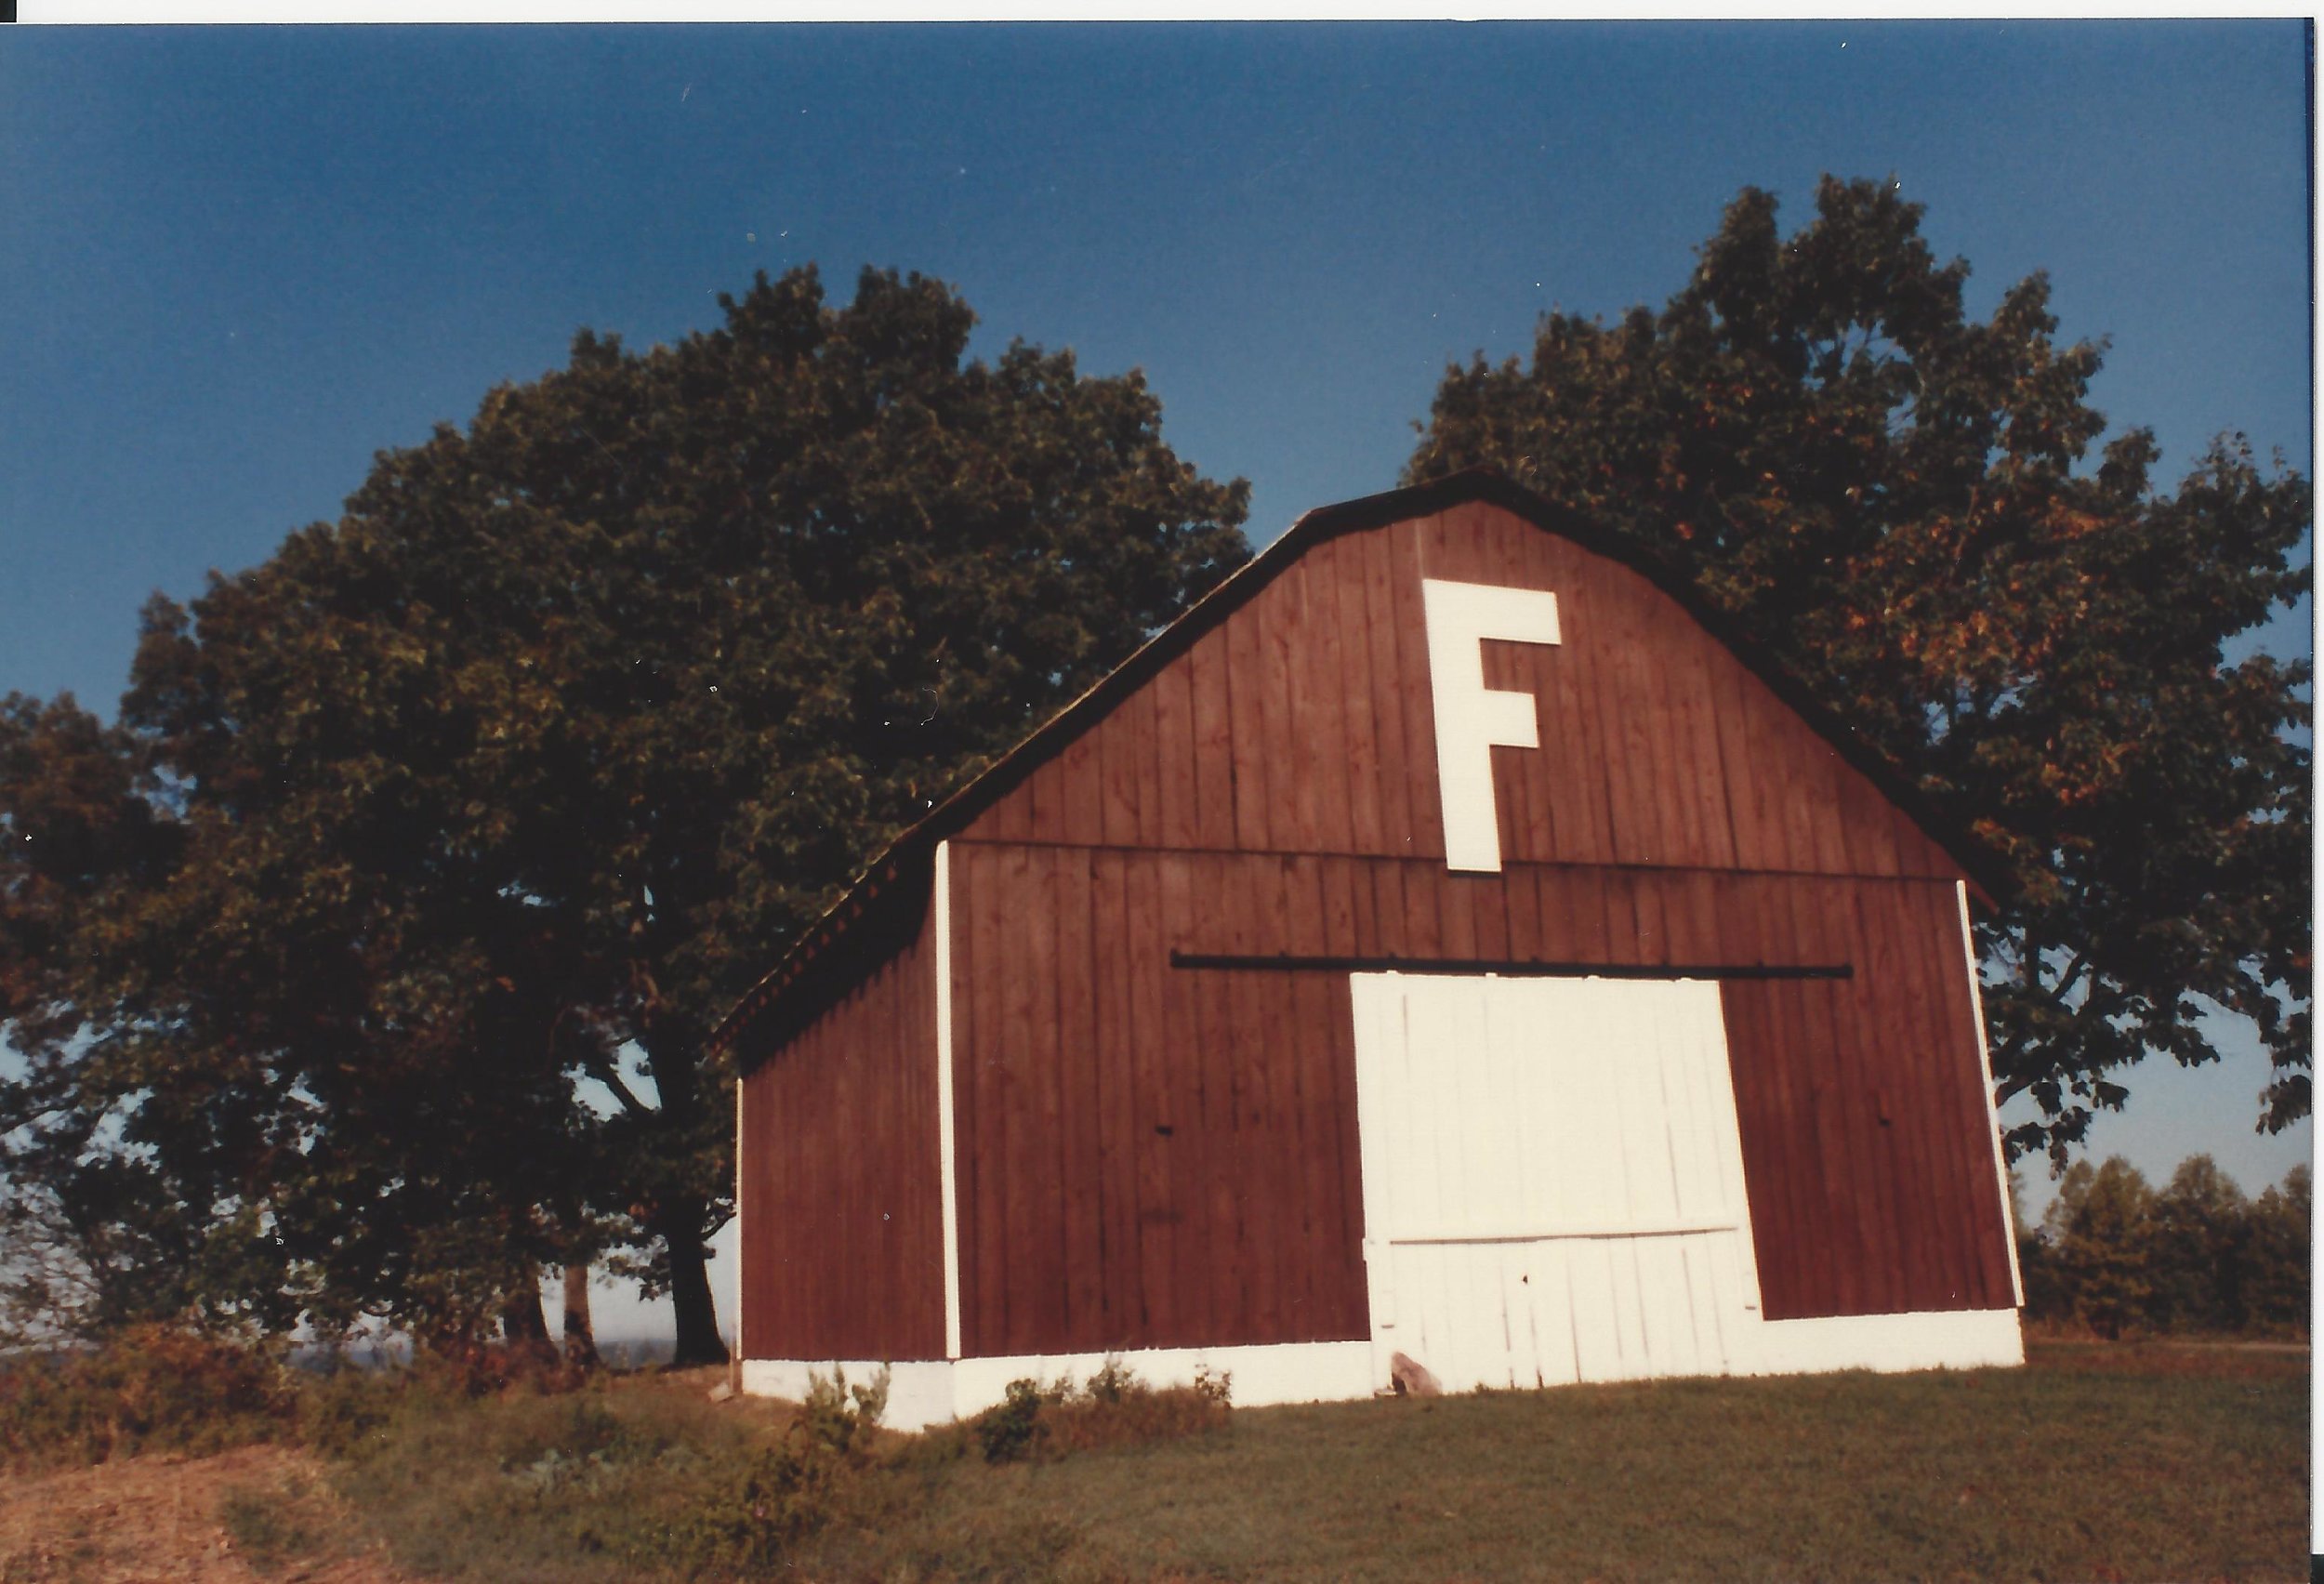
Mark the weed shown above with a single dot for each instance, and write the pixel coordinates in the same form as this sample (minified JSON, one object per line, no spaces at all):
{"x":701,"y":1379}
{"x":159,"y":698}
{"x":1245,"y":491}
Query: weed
{"x":268,"y":1530}
{"x":837,"y":1416}
{"x":1113,"y":1381}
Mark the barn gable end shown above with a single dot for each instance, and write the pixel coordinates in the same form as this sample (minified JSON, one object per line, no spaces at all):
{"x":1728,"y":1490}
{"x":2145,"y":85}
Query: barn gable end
{"x":1302,"y":723}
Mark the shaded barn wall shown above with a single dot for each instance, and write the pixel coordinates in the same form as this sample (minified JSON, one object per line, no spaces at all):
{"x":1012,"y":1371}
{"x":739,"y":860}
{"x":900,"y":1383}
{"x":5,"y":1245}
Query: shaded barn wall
{"x":1303,"y":726}
{"x":842,"y":1237}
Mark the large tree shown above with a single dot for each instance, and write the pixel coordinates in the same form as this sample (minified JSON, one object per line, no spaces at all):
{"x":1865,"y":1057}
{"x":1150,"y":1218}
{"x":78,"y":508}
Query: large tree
{"x":1902,"y":503}
{"x":492,"y":796}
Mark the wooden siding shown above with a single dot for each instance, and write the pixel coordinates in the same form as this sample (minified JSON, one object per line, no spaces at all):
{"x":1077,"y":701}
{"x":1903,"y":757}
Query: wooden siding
{"x":1156,"y":1156}
{"x":1153,"y":1157}
{"x":1302,"y":724}
{"x":1866,"y":1145}
{"x":1148,"y":1156}
{"x":843,"y":1251}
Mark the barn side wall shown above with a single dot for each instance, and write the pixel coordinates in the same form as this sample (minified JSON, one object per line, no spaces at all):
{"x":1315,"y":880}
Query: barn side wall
{"x":1154,"y":1156}
{"x":841,"y":1211}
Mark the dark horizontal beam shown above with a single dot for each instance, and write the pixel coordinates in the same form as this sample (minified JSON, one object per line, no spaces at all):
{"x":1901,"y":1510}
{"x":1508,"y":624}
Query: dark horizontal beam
{"x":1512,"y":969}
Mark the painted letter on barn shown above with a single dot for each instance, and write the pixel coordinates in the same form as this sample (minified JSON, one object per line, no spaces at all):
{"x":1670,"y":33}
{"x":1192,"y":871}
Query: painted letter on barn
{"x":1472,"y":718}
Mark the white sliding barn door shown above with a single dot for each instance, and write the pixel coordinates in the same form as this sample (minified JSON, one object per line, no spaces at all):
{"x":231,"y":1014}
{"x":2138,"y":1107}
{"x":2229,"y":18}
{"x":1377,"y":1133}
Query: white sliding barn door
{"x":1553,"y":1178}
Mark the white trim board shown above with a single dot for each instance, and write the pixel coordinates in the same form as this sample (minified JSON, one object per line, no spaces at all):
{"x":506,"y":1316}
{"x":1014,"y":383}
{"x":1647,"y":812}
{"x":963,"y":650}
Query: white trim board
{"x":922,"y":1392}
{"x":946,"y":1166}
{"x":928,"y":1392}
{"x":1992,"y":1111}
{"x":742,"y":1142}
{"x":1966,"y":1339}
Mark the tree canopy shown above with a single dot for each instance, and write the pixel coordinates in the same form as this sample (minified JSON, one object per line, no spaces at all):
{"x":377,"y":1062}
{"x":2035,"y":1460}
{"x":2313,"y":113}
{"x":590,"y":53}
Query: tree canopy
{"x":1902,"y":503}
{"x":489,"y":798}
{"x":2115,"y":1255}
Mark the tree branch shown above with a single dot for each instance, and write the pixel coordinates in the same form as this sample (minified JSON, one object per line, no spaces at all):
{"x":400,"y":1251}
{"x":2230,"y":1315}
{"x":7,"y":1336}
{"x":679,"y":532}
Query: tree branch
{"x":598,"y":1067}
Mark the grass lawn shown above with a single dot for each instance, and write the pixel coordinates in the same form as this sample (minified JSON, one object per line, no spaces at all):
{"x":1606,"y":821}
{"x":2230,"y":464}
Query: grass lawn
{"x":2096,"y":1462}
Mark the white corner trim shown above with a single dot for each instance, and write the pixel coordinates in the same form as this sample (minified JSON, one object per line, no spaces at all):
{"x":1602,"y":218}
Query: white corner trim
{"x":945,"y":1143}
{"x":742,"y":1245}
{"x":928,"y":1392}
{"x":1472,"y":718}
{"x":1992,"y":1111}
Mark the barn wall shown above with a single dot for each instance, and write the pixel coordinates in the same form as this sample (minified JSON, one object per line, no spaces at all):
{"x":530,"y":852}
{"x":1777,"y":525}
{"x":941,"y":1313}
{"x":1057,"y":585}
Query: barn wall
{"x":1148,"y":1156}
{"x":843,"y":1253}
{"x":1304,"y":723}
{"x":1158,"y":1156}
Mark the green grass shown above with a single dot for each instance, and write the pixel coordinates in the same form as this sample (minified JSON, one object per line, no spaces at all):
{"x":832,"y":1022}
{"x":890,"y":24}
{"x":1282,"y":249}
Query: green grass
{"x":2096,"y":1462}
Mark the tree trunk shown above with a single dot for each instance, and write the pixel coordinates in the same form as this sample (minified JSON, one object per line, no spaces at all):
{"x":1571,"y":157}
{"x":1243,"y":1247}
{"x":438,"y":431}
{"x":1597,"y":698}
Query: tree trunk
{"x":580,"y":1337}
{"x":672,"y":1048}
{"x":698,"y":1339}
{"x":522,"y":1324}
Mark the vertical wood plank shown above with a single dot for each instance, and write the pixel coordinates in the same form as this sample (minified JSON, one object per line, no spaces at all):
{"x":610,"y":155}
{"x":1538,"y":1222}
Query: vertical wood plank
{"x":1084,"y":792}
{"x":1216,"y":742}
{"x":1319,"y":668}
{"x":1287,"y":714}
{"x":1385,"y":685}
{"x":1345,"y":653}
{"x":1124,"y":743}
{"x":1245,"y":685}
{"x":1178,"y":821}
{"x":1163,"y":891}
{"x":1406,"y":543}
{"x":1114,"y":969}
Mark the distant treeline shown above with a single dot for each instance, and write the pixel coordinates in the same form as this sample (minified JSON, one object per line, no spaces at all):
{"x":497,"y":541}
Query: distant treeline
{"x":2117,"y":1256}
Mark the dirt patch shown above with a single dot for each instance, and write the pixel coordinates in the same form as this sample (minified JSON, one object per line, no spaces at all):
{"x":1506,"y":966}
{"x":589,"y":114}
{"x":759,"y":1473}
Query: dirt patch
{"x":257,"y":1513}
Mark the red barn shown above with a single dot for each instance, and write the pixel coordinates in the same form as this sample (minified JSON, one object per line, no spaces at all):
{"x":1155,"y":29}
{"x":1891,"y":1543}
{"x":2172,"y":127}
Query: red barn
{"x":1447,"y":939}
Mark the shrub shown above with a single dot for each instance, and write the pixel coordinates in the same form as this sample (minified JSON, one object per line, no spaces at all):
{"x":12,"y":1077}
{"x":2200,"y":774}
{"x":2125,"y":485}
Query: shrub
{"x":1011,"y":1429}
{"x":1113,"y":1408}
{"x":153,"y":1387}
{"x":810,"y":1479}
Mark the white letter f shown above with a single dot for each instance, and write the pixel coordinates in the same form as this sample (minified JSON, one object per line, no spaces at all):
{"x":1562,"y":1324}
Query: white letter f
{"x":1472,"y":718}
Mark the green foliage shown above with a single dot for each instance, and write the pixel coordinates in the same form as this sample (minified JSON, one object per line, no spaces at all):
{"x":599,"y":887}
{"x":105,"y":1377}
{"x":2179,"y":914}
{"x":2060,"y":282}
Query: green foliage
{"x":840,"y":1418}
{"x":1902,"y":503}
{"x":492,"y":796}
{"x":2277,"y":1257}
{"x":2102,"y":1226}
{"x":1010,"y":1429}
{"x":2199,"y":1236}
{"x":2114,"y":1256}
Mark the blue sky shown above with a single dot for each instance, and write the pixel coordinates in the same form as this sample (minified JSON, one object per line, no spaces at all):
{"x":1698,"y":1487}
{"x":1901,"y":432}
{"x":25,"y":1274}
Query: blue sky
{"x":235,"y":262}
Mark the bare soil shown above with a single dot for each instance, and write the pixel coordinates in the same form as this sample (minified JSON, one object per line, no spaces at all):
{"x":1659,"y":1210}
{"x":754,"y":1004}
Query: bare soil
{"x":256,"y":1513}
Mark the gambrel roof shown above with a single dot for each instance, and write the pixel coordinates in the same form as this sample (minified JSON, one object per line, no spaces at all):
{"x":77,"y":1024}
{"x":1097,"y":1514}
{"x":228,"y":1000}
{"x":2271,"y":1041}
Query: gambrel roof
{"x":864,"y":927}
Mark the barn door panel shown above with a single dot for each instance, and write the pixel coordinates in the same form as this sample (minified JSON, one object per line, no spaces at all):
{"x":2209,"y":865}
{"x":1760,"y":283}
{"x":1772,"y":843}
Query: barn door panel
{"x":1552,"y":1178}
